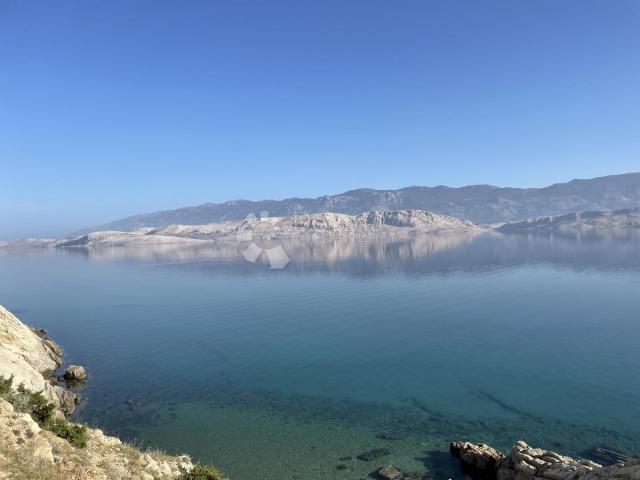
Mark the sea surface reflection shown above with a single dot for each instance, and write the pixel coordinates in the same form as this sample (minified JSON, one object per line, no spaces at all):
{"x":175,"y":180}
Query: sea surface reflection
{"x":404,"y":345}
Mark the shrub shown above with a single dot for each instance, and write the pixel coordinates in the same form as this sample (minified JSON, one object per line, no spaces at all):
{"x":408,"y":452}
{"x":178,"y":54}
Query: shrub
{"x":36,"y":405}
{"x":5,"y":386}
{"x":76,"y":435}
{"x":202,"y":472}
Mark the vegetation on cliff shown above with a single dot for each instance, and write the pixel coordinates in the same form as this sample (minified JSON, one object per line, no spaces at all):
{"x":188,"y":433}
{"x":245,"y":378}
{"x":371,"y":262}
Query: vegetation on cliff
{"x":42,"y":412}
{"x":39,"y":443}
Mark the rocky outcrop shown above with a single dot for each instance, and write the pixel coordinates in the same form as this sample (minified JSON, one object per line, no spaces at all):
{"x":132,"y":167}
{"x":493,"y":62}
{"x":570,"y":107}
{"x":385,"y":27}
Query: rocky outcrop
{"x":373,"y":222}
{"x":304,"y":225}
{"x":528,"y":463}
{"x":420,"y":219}
{"x":477,"y":456}
{"x":31,"y":451}
{"x":75,"y":373}
{"x":31,"y":357}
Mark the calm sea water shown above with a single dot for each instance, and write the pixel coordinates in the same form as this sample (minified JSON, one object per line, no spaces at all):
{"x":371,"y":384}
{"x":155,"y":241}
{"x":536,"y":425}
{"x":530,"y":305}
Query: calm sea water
{"x":407,"y":346}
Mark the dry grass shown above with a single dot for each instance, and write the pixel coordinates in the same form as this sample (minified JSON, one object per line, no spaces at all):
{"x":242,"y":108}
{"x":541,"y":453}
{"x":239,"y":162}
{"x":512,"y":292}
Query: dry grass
{"x":20,"y":464}
{"x":77,"y":452}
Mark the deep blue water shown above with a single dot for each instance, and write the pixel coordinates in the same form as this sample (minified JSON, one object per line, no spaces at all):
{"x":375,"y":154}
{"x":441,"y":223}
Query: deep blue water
{"x":280,"y":374}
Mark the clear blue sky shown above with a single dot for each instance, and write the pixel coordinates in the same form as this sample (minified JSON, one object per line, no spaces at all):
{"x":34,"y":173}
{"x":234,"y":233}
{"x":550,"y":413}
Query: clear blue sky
{"x":112,"y":108}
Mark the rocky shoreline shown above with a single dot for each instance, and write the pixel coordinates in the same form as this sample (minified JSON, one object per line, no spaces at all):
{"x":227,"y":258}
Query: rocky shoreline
{"x":479,"y":460}
{"x":41,"y":443}
{"x":31,"y":357}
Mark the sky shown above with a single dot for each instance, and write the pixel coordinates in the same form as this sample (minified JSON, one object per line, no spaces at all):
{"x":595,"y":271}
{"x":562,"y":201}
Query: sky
{"x":114,"y":108}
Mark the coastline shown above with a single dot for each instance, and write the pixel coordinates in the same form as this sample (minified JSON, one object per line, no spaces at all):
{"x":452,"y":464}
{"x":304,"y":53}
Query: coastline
{"x":39,"y":443}
{"x":523,"y":462}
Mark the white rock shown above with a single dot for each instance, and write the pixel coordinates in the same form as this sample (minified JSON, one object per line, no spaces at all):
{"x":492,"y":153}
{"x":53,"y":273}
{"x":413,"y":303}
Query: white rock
{"x":75,"y":373}
{"x":26,"y":356}
{"x":29,"y":423}
{"x":42,"y":449}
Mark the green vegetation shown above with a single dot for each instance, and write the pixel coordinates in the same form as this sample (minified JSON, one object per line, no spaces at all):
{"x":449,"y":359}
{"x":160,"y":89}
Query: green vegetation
{"x":36,"y":405}
{"x":43,"y":412}
{"x":75,"y":434}
{"x":33,"y":403}
{"x":202,"y":472}
{"x":5,"y":386}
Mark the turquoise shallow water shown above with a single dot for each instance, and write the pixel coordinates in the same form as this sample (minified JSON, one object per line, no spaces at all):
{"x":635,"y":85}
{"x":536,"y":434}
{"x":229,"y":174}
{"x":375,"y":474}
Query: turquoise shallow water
{"x":354,"y":346}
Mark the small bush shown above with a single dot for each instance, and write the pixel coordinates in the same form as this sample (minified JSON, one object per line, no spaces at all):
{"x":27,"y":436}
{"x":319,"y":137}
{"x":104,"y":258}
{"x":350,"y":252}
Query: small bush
{"x":5,"y":386}
{"x":36,"y":405}
{"x":76,"y":435}
{"x":202,"y":472}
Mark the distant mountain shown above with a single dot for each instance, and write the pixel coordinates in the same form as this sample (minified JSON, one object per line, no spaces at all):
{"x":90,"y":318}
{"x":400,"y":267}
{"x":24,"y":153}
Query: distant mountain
{"x":627,"y":219}
{"x":482,"y":204}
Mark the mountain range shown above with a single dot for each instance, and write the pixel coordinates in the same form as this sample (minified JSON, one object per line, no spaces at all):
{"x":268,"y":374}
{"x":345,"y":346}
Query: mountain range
{"x":621,"y":220}
{"x":481,"y":204}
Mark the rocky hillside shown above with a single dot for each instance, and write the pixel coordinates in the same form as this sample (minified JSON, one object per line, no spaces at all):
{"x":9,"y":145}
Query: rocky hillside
{"x":377,"y":221}
{"x":397,"y":222}
{"x":39,"y":443}
{"x":482,"y":204}
{"x":628,"y":219}
{"x":374,"y":223}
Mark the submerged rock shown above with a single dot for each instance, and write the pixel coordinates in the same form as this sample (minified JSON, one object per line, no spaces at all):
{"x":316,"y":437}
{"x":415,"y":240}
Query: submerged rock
{"x":389,"y":473}
{"x":373,"y":454}
{"x":390,"y":436}
{"x":528,"y":463}
{"x":416,"y":476}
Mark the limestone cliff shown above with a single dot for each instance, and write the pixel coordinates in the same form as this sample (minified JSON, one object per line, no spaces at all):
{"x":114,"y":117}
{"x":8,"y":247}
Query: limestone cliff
{"x":31,"y":358}
{"x":29,"y":451}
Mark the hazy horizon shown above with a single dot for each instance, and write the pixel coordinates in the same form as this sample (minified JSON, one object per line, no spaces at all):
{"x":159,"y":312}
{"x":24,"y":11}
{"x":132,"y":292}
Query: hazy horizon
{"x":58,"y":232}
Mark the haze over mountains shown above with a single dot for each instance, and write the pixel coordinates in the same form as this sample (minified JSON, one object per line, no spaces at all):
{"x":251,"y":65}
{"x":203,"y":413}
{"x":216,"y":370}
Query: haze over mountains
{"x":481,"y":204}
{"x":621,"y":220}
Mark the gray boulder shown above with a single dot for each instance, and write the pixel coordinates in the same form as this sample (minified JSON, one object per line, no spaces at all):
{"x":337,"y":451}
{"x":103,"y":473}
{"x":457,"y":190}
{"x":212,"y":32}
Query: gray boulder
{"x":75,"y":373}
